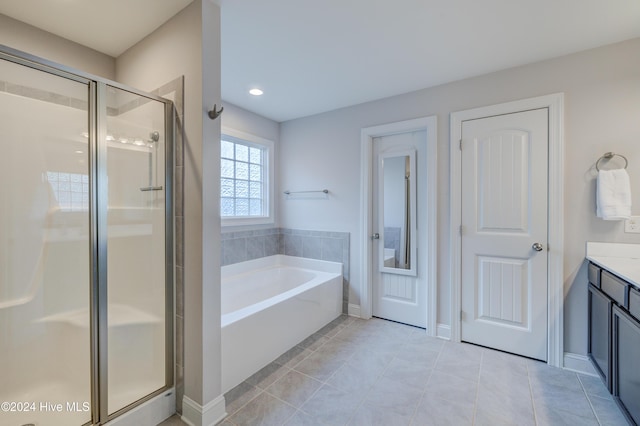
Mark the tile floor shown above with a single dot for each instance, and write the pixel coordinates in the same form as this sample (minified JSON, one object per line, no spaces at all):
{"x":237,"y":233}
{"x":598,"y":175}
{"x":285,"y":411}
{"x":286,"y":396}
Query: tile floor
{"x":376,"y":372}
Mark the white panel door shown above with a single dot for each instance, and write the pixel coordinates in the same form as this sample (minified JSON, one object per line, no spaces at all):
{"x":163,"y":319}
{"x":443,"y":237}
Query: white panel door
{"x":504,"y":232}
{"x":397,"y":297}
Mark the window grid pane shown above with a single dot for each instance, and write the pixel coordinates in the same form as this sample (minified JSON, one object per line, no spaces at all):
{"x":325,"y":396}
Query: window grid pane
{"x":255,"y":172}
{"x":242,"y":152}
{"x":242,"y":189}
{"x":242,"y":170}
{"x":242,"y":174}
{"x":227,"y":168}
{"x":227,"y":149}
{"x":227,"y":207}
{"x":255,"y":207}
{"x":255,"y":155}
{"x":71,"y":190}
{"x":242,"y":207}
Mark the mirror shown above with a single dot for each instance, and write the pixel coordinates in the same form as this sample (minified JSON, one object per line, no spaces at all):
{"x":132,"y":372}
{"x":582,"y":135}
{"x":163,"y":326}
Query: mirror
{"x":398,"y":212}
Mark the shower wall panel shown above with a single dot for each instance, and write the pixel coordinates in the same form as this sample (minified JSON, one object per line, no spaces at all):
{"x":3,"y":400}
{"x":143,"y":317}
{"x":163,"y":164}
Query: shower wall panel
{"x":44,"y":247}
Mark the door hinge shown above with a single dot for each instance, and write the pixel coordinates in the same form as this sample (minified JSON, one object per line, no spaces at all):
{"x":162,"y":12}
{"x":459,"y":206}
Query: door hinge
{"x":460,"y":230}
{"x":460,"y":145}
{"x":460,"y":315}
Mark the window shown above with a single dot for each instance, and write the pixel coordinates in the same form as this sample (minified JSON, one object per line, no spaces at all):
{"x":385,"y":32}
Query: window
{"x":245,"y":179}
{"x":70,"y":189}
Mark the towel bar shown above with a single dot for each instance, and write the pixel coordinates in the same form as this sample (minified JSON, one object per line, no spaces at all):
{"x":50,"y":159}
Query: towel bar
{"x":326,"y":191}
{"x":610,"y":155}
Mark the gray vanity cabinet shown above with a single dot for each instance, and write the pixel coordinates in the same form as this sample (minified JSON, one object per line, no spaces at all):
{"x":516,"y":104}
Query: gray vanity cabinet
{"x":614,"y":337}
{"x":626,"y":355}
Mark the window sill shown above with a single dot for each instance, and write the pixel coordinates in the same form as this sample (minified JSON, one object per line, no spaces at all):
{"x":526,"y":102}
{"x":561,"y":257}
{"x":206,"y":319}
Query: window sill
{"x":248,"y":221}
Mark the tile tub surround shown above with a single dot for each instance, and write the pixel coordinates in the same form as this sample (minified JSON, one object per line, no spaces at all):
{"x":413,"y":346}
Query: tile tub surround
{"x":240,"y":246}
{"x":376,"y":372}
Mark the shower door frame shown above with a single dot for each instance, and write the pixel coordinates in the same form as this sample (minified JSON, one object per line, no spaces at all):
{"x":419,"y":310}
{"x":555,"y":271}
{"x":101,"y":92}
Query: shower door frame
{"x":98,"y":207}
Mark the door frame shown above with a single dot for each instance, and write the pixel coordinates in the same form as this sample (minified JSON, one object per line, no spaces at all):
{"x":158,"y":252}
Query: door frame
{"x":427,"y":255}
{"x":555,"y":230}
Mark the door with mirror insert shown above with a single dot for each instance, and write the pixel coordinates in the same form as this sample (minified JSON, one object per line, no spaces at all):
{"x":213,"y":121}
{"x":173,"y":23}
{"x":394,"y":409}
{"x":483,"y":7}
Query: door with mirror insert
{"x":399,"y":283}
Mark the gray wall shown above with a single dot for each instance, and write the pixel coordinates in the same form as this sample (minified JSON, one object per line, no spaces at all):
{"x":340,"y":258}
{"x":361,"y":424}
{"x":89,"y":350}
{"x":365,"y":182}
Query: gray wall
{"x":602,"y":106}
{"x":245,"y":121}
{"x":21,"y":36}
{"x":189,"y":45}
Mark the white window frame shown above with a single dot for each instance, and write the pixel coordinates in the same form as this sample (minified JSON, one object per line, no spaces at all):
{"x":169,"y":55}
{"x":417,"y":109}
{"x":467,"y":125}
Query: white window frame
{"x":268,"y":184}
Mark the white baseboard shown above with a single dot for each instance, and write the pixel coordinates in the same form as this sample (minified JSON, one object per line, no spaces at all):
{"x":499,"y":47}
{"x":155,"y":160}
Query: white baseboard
{"x":578,"y":363}
{"x":353,"y":310}
{"x":150,"y":413}
{"x":195,"y":414}
{"x":443,"y":331}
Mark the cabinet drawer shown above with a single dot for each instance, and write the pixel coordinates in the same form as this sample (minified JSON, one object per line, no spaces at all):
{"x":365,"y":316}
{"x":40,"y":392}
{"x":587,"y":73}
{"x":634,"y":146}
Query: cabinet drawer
{"x":614,"y":287}
{"x":634,"y":302}
{"x":594,"y":275}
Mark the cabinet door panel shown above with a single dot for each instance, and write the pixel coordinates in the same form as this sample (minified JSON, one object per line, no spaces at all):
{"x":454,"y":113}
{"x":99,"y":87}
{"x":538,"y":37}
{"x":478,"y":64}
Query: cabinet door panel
{"x":600,"y":332}
{"x":626,"y":353}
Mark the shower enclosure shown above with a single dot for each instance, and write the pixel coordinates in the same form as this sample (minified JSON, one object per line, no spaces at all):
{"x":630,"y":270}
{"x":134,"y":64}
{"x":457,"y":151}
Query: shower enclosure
{"x":86,"y":270}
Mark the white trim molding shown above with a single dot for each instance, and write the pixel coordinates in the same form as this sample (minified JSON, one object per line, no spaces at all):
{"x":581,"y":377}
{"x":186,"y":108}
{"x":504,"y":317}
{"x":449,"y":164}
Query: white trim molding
{"x":210,"y":414}
{"x":443,"y":331}
{"x":579,"y":364}
{"x":427,"y":254}
{"x":555,"y":278}
{"x":353,"y":310}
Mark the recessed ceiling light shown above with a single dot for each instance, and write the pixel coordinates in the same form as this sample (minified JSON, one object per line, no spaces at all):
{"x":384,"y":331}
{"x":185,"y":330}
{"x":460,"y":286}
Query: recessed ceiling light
{"x":256,"y":92}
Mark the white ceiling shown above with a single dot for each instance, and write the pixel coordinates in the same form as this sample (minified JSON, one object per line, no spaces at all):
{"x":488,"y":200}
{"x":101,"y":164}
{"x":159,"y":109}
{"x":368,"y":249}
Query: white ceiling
{"x":314,"y":56}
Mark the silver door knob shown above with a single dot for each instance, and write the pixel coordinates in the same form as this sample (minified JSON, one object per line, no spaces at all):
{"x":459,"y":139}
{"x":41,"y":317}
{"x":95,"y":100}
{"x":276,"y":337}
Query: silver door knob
{"x":537,"y":246}
{"x":375,"y":236}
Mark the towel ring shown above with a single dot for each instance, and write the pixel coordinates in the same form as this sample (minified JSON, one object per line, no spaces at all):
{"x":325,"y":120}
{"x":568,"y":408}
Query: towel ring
{"x":610,"y":155}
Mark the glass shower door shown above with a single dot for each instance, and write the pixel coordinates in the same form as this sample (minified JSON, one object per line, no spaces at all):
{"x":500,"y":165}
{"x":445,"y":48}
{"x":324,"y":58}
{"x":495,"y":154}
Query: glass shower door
{"x":45,"y":363}
{"x":136,"y":287}
{"x":86,"y":289}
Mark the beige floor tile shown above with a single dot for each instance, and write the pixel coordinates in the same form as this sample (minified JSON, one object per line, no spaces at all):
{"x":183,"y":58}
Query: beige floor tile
{"x":374,"y":372}
{"x":294,"y":388}
{"x":435,"y":411}
{"x":263,"y":410}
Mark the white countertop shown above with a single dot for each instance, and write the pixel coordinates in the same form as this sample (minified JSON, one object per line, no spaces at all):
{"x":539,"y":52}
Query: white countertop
{"x":621,"y":259}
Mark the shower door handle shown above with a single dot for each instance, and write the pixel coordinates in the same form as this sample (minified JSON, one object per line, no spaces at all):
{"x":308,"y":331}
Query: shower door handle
{"x":375,"y":236}
{"x":151,"y":188}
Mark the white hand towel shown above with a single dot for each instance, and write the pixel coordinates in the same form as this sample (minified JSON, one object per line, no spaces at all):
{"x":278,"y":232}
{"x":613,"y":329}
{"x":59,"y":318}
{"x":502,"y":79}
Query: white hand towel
{"x":613,"y":195}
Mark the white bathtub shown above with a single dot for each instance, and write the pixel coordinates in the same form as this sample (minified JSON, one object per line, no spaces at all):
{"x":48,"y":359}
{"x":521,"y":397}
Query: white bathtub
{"x":271,"y":304}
